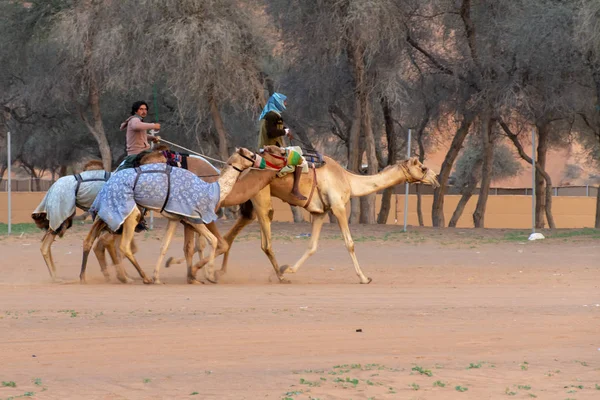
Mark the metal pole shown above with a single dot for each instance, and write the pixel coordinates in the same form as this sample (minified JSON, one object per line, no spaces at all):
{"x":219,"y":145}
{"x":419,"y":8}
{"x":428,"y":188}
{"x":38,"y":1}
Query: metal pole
{"x":533,"y":180}
{"x":8,"y":192}
{"x":406,"y":184}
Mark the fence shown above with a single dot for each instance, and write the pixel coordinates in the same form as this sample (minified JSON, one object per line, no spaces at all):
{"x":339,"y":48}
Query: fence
{"x":42,"y":185}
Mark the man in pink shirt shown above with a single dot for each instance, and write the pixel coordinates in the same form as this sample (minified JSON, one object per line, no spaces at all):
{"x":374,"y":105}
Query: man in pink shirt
{"x":137,"y":131}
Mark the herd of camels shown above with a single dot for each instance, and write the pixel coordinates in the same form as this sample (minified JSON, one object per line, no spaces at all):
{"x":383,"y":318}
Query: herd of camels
{"x":328,"y":188}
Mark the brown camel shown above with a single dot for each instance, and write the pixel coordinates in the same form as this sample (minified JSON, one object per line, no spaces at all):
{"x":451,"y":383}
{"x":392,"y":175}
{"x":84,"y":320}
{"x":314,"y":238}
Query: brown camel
{"x":247,"y":186}
{"x":242,"y":159}
{"x":334,"y":186}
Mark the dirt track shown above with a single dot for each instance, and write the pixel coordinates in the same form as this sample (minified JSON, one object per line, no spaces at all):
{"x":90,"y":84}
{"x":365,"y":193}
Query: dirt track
{"x":499,"y":318}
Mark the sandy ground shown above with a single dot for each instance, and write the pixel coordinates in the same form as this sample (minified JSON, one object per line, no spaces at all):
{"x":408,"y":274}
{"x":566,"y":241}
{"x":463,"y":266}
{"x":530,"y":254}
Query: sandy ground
{"x":450,"y":314}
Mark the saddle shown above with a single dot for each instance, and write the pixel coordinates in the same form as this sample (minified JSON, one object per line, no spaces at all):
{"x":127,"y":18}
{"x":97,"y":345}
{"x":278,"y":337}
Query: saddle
{"x":313,"y":158}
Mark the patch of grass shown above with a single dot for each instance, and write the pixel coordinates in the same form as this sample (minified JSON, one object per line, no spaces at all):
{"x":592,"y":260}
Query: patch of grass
{"x":194,"y":393}
{"x":414,"y":386}
{"x":597,"y":387}
{"x":516,"y":236}
{"x":18,"y":228}
{"x":524,"y":366}
{"x":474,"y":366}
{"x":72,"y":312}
{"x":9,"y":384}
{"x":509,"y":392}
{"x":582,"y":363}
{"x":591,"y":232}
{"x":309,"y":383}
{"x":532,"y":395}
{"x":422,"y":371}
{"x":37,"y":381}
{"x":439,"y":384}
{"x":461,"y":388}
{"x":147,"y":380}
{"x":524,"y":387}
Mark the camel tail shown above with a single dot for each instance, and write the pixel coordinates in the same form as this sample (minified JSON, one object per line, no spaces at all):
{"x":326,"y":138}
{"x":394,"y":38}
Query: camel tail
{"x":41,"y":221}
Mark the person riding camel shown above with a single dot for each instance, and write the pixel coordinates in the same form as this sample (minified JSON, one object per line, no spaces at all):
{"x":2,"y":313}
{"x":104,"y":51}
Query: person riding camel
{"x":272,"y":130}
{"x":137,"y":136}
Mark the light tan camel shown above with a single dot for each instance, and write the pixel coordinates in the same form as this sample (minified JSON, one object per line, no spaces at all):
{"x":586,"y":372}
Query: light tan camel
{"x":334,"y":186}
{"x":109,"y":242}
{"x":242,"y":159}
{"x":42,"y":218}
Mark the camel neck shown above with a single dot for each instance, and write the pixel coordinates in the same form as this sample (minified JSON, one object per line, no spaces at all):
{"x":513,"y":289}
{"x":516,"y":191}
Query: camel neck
{"x":362,"y":185}
{"x":226,"y":181}
{"x":248,"y":186}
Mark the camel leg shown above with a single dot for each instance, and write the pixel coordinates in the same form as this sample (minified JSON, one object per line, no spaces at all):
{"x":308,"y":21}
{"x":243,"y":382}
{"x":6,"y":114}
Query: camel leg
{"x":171,"y":226}
{"x":340,"y":214}
{"x":111,"y":242}
{"x":189,"y":236}
{"x":89,"y":240}
{"x":209,"y":272}
{"x":126,"y":239}
{"x":45,"y":248}
{"x":264,"y":216}
{"x":317,"y":224}
{"x":99,"y":248}
{"x":221,"y":247}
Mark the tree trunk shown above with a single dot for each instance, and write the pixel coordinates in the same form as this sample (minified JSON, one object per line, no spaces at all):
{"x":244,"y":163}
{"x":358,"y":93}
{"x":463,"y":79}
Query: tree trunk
{"x":437,"y":209}
{"x":460,"y":207}
{"x":420,"y":206}
{"x":543,"y":181}
{"x":96,"y":127}
{"x":467,"y":193}
{"x":221,"y":133}
{"x":354,"y":158}
{"x":486,"y":171}
{"x":539,"y":170}
{"x":386,"y":199}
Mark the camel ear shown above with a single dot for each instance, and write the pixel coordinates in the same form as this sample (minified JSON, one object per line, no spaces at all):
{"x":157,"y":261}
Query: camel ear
{"x":413,"y":161}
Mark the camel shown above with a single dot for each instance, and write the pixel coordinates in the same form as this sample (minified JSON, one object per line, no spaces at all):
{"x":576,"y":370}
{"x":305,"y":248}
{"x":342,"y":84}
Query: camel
{"x":247,"y":186}
{"x":244,"y":160}
{"x":56,"y":211}
{"x":334,"y":186}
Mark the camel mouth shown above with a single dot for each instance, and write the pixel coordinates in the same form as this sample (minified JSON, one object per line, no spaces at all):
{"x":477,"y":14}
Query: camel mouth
{"x":431,"y":179}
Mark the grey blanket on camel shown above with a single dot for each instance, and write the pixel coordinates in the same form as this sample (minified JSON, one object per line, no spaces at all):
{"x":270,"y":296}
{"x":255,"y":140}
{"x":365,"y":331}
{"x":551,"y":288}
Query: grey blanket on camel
{"x":60,"y":201}
{"x":181,"y":193}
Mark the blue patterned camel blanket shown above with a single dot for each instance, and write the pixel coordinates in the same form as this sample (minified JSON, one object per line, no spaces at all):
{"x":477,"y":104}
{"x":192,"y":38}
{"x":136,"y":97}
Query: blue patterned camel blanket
{"x":65,"y":194}
{"x":181,"y":193}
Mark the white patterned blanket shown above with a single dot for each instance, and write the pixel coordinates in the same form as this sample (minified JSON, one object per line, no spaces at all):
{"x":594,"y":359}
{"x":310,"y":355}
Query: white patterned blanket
{"x":60,"y":201}
{"x":181,"y":193}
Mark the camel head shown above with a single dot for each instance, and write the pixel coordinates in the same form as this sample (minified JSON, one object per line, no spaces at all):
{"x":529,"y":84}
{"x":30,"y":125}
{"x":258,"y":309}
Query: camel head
{"x":93,"y":165}
{"x":275,"y":157}
{"x":418,"y":173}
{"x":243,"y":159}
{"x":155,"y":157}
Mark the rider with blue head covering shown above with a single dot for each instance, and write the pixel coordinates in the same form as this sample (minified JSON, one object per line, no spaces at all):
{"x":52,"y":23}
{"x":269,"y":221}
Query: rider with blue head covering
{"x":272,"y":130}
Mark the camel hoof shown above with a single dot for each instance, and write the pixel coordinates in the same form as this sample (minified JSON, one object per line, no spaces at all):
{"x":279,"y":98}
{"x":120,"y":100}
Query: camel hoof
{"x":194,"y":281}
{"x":124,"y":279}
{"x":156,"y":281}
{"x":284,"y":280}
{"x":81,"y":281}
{"x":106,"y":278}
{"x":367,"y":282}
{"x":147,"y":281}
{"x":212,"y":279}
{"x":168,"y":262}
